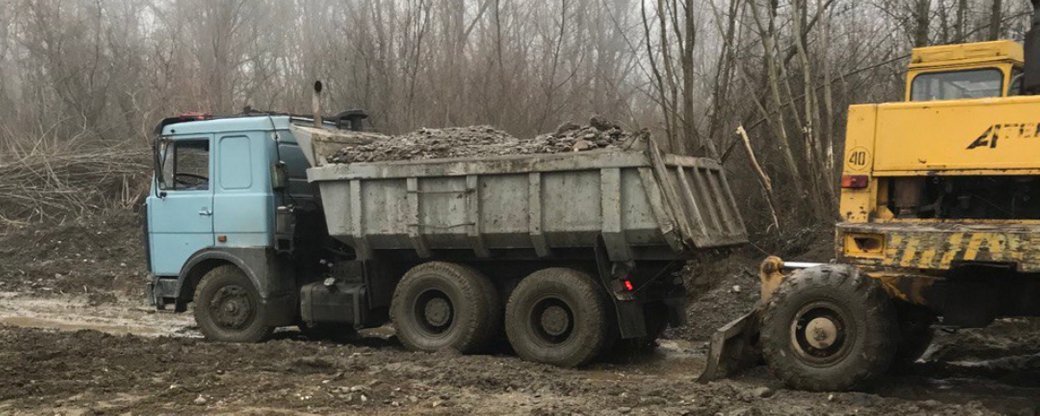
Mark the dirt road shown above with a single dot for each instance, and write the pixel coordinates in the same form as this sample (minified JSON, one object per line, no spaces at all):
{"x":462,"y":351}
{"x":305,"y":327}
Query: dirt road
{"x":64,"y":356}
{"x":76,"y":339}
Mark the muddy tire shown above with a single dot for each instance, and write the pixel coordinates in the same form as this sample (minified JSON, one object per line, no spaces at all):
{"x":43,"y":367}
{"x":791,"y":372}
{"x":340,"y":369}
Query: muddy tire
{"x":558,"y":316}
{"x":228,"y":307}
{"x":829,"y":328}
{"x":440,"y":305}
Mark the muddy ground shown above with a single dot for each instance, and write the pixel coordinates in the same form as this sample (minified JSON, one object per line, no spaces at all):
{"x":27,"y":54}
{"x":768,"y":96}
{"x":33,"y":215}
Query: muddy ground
{"x":75,"y":339}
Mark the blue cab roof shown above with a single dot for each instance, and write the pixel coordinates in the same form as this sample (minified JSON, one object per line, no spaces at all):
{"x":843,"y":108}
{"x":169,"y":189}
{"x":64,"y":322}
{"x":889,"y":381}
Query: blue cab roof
{"x":227,"y":125}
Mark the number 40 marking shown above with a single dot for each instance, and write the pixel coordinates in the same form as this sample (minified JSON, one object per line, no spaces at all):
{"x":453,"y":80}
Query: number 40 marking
{"x":858,"y":158}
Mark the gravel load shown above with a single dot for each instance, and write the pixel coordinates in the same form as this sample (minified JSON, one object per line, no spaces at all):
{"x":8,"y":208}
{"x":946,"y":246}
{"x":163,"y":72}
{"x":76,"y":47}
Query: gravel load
{"x":477,"y":141}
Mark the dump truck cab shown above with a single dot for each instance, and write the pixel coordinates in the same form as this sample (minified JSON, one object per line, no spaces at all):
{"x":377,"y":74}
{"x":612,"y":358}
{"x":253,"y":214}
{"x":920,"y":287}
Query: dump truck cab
{"x":215,"y":200}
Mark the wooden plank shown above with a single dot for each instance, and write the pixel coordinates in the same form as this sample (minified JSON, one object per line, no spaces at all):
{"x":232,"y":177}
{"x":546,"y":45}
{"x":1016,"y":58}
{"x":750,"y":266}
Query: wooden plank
{"x":534,"y":215}
{"x":415,"y":225}
{"x":473,"y":230}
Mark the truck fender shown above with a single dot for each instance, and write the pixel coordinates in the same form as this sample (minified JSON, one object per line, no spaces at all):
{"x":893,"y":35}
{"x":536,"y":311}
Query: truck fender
{"x":629,"y":315}
{"x":272,"y":278}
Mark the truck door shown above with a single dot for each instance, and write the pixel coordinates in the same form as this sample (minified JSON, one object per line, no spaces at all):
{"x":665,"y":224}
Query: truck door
{"x":180,"y":212}
{"x":243,"y":202}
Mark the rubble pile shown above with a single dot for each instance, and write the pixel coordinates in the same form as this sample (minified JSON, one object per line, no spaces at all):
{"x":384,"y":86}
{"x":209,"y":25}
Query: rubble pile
{"x":455,"y":142}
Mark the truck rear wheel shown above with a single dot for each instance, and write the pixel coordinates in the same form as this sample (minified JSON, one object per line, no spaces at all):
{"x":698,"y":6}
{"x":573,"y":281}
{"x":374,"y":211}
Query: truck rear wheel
{"x":440,"y":305}
{"x":228,"y":307}
{"x":829,"y":328}
{"x":558,"y":316}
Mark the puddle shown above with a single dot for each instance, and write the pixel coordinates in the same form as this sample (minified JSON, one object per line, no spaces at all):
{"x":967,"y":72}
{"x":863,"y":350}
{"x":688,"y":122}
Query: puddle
{"x":73,"y":314}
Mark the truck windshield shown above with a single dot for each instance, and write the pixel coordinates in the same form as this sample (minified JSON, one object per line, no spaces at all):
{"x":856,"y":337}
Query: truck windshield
{"x":954,"y":85}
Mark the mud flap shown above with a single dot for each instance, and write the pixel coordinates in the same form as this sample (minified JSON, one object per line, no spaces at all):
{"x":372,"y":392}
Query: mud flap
{"x":734,"y":348}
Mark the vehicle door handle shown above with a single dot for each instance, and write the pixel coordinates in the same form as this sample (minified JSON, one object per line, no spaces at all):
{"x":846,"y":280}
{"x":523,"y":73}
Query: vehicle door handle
{"x":205,"y":212}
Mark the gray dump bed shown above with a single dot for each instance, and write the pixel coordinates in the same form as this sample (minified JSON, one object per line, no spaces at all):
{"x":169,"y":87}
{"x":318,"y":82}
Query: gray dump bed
{"x":643,"y":204}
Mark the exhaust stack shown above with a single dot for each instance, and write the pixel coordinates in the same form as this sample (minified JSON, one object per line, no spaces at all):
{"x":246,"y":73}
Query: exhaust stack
{"x":316,"y":102}
{"x":1031,"y":72}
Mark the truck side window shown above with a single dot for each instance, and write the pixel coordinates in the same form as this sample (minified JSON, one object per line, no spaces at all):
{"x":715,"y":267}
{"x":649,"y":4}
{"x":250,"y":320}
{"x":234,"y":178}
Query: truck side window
{"x":954,"y":85}
{"x":186,"y":165}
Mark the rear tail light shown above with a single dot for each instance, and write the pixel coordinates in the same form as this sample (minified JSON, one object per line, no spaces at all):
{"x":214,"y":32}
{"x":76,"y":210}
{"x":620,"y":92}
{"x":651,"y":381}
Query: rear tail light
{"x":628,"y":285}
{"x":854,"y":181}
{"x":624,"y":288}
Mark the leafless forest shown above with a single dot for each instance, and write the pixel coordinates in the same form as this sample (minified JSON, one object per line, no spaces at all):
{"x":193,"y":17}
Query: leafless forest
{"x":82,"y":82}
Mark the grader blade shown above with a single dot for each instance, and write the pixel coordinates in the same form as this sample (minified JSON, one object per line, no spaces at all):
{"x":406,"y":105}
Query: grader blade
{"x":733,"y":348}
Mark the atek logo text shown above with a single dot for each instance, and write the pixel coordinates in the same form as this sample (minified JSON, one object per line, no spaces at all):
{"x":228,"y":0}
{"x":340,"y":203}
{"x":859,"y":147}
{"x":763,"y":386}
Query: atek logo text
{"x":991,"y":137}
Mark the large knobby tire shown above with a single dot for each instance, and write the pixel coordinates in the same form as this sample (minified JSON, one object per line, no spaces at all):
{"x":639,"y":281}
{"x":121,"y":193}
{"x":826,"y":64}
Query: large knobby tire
{"x":228,"y":307}
{"x":558,"y":316}
{"x":829,"y":328}
{"x":440,"y":305}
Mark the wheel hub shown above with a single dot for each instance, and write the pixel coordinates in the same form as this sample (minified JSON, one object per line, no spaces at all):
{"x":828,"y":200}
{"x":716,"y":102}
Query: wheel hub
{"x":551,"y":320}
{"x":231,"y":307}
{"x":437,"y":312}
{"x":555,"y":321}
{"x":821,"y":333}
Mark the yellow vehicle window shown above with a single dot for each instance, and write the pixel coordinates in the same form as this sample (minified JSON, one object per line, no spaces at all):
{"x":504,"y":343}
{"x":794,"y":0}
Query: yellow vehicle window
{"x":954,"y":85}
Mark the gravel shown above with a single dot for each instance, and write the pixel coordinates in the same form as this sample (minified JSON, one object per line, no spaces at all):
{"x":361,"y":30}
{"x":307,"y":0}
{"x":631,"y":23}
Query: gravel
{"x":481,"y":141}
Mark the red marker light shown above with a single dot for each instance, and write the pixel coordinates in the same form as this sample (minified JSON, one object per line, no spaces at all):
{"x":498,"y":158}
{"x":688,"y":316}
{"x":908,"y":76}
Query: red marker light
{"x":196,"y":116}
{"x":854,"y":181}
{"x":628,"y":285}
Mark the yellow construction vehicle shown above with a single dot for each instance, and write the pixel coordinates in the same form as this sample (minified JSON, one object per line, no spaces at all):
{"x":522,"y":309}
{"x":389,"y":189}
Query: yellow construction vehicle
{"x":939,"y":226}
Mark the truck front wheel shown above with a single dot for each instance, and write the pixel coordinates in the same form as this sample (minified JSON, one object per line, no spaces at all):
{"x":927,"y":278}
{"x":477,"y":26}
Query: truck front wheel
{"x":829,"y":328}
{"x":558,"y":316}
{"x":440,"y":305}
{"x":228,"y":307}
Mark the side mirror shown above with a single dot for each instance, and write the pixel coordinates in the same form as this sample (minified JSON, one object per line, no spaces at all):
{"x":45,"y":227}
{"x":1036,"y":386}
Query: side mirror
{"x":279,"y":176}
{"x":1031,"y":49}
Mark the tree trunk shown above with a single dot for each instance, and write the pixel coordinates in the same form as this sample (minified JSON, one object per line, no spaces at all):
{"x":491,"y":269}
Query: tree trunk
{"x":921,"y":21}
{"x":962,"y":10}
{"x":768,"y":45}
{"x":996,"y":15}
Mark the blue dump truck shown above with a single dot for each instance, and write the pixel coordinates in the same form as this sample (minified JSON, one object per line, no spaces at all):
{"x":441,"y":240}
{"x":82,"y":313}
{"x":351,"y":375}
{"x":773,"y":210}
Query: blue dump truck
{"x":561,"y":254}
